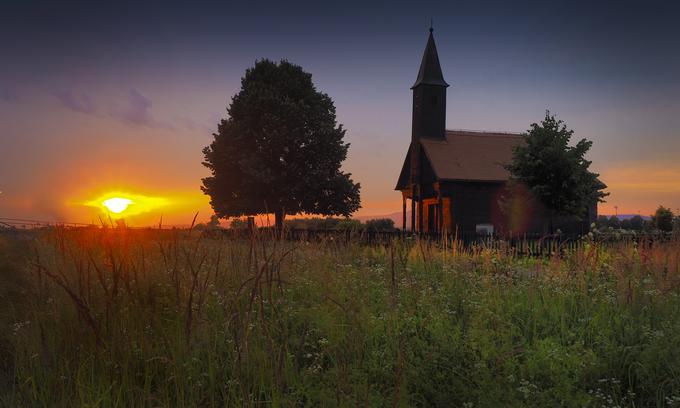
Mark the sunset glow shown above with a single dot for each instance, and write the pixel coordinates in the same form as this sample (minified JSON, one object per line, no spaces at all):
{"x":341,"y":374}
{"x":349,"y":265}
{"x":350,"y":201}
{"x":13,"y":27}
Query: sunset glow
{"x":116,"y":204}
{"x":106,"y":116}
{"x":128,"y":204}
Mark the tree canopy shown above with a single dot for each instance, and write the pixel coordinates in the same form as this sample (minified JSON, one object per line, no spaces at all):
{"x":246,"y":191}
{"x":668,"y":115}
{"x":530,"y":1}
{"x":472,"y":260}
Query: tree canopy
{"x":279,"y":150}
{"x":663,"y":219}
{"x":556,"y":173}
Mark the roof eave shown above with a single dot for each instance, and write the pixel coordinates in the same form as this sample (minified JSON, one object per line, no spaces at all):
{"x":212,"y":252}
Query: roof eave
{"x":428,"y":82}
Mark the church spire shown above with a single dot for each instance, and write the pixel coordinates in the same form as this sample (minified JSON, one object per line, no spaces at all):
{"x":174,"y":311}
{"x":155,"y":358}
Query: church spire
{"x":430,"y":72}
{"x":429,"y":97}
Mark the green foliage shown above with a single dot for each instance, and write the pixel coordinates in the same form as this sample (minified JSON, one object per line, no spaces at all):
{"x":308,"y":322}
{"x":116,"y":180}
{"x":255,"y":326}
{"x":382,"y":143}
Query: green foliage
{"x":316,"y":223}
{"x":211,"y":225}
{"x":626,"y":224}
{"x":557,"y":174}
{"x":614,"y":222}
{"x":349,"y":224}
{"x":380,"y":224}
{"x":663,"y":219}
{"x":238,"y":223}
{"x":280,"y":149}
{"x":602,"y":222}
{"x":637,"y":223}
{"x":328,"y":223}
{"x":178,"y":320}
{"x":214,"y":222}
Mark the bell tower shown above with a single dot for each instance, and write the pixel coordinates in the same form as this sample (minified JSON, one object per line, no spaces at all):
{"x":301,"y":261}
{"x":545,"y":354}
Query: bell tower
{"x":429,"y":97}
{"x":428,"y":122}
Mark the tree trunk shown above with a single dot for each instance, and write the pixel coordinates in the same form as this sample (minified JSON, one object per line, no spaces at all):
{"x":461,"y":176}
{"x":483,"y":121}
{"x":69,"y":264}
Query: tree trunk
{"x":279,"y":216}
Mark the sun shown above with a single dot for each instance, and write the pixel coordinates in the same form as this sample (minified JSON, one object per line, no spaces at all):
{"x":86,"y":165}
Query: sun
{"x":117,"y":204}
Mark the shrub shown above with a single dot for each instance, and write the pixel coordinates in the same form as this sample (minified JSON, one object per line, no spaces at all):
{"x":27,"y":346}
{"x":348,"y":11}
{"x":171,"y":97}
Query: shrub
{"x":380,"y":224}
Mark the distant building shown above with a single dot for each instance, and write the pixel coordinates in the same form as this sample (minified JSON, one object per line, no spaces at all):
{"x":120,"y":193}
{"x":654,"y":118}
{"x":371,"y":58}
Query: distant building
{"x":455,"y":178}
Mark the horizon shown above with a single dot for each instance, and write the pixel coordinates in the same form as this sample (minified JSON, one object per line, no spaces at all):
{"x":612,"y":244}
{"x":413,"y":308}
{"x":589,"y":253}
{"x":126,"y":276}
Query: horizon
{"x":122,"y":97}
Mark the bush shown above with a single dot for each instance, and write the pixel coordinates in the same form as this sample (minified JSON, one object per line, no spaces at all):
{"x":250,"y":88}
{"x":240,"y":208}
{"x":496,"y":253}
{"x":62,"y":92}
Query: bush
{"x":380,"y":224}
{"x":238,"y":223}
{"x":663,"y":219}
{"x":614,"y":222}
{"x":637,"y":223}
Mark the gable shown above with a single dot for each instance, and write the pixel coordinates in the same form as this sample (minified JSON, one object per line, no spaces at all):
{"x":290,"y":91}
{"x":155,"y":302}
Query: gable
{"x":427,"y":173}
{"x":405,"y":174}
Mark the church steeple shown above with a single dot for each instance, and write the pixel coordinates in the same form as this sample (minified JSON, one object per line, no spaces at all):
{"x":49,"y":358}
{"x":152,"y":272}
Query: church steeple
{"x":429,"y":96}
{"x":430,"y":72}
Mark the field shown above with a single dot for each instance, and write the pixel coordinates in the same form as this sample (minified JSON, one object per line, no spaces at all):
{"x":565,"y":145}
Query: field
{"x":124,"y":318}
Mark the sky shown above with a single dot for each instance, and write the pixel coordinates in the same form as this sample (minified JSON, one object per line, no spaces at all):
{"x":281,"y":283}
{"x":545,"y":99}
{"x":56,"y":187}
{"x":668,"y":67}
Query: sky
{"x":121,"y":97}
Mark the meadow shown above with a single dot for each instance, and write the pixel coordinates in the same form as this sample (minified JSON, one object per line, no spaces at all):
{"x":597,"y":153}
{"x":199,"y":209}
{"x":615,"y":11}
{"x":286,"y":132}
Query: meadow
{"x":125,"y":318}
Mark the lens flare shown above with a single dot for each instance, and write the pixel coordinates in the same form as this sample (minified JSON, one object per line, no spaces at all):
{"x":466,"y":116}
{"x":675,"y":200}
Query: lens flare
{"x":117,"y":204}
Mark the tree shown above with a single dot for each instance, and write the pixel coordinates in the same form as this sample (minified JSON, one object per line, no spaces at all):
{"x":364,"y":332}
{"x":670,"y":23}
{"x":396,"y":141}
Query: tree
{"x":637,"y":223}
{"x":214,"y":222}
{"x":602,"y":222}
{"x":238,"y":224}
{"x":380,"y":224}
{"x":556,"y":173}
{"x":663,"y":219}
{"x":614,"y":222}
{"x":280,"y":149}
{"x":349,"y":224}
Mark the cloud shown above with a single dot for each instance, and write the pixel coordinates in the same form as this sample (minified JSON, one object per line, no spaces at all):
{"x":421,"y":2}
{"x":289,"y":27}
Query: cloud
{"x":8,"y":95}
{"x":138,"y":111}
{"x":79,"y":103}
{"x":139,"y":108}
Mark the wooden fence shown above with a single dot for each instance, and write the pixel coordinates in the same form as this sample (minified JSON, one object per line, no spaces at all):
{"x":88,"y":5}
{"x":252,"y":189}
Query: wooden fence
{"x":525,"y":244}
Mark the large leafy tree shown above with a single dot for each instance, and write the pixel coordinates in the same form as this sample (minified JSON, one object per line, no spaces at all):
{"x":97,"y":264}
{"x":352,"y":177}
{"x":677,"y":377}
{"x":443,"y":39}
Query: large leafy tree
{"x":280,"y":149}
{"x":557,"y":173}
{"x":663,"y":219}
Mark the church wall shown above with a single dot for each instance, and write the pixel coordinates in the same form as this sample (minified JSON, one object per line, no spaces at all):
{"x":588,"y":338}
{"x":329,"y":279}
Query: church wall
{"x":471,"y":203}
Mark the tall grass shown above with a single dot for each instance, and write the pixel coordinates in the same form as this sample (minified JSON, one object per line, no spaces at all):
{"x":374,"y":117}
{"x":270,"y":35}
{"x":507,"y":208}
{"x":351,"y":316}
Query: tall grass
{"x":117,"y":317}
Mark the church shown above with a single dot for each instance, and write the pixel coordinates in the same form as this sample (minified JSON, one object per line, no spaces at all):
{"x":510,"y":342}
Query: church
{"x":454,"y":179}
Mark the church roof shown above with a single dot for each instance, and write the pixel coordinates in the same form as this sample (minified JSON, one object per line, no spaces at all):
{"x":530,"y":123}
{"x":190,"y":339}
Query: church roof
{"x":471,"y":155}
{"x":430,"y":72}
{"x":465,"y":155}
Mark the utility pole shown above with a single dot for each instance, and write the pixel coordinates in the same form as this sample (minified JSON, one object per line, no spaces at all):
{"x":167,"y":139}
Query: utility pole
{"x":616,"y":211}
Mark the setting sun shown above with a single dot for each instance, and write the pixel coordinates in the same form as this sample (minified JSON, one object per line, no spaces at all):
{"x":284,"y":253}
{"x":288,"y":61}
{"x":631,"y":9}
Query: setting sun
{"x":117,"y":204}
{"x":126,"y":203}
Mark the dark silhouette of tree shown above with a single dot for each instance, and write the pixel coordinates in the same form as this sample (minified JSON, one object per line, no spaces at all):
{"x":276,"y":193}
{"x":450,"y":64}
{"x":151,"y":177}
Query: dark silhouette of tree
{"x":238,"y":223}
{"x":602,"y":222}
{"x":380,"y":224}
{"x":214,"y":222}
{"x":637,"y":223}
{"x":614,"y":222}
{"x":280,"y":149}
{"x":663,"y":219}
{"x":556,"y":173}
